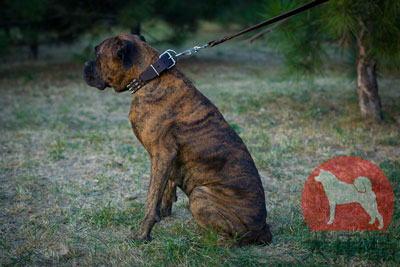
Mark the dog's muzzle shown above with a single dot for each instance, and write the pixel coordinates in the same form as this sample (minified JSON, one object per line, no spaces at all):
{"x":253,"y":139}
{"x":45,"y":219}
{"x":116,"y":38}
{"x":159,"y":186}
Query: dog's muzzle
{"x":91,"y":75}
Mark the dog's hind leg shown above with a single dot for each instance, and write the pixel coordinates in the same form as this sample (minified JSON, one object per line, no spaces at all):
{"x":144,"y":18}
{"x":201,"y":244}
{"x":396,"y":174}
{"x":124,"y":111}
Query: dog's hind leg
{"x":332,"y":207}
{"x":213,"y":208}
{"x":371,"y":208}
{"x":380,"y":219}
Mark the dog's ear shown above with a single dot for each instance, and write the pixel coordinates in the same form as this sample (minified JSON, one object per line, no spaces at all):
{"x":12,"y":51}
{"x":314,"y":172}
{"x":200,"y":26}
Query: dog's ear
{"x":124,"y":50}
{"x":127,"y":54}
{"x":141,"y":37}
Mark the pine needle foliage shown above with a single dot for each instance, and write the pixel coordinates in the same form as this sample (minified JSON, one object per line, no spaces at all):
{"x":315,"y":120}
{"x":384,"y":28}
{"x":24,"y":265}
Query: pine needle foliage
{"x":302,"y":38}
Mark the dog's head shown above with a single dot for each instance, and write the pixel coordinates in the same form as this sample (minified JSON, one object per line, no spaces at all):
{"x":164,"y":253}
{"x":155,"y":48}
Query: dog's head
{"x":323,"y":176}
{"x":118,"y":61}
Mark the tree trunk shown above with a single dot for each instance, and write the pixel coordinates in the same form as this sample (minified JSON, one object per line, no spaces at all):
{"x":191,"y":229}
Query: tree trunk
{"x":368,"y":97}
{"x":34,"y":51}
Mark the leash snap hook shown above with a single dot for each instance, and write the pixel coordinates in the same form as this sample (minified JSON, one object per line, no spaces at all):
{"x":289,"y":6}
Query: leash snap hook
{"x":191,"y":50}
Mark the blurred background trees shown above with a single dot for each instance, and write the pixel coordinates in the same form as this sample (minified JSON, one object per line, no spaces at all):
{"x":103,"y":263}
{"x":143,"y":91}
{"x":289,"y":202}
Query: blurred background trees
{"x":36,"y":22}
{"x":368,"y":32}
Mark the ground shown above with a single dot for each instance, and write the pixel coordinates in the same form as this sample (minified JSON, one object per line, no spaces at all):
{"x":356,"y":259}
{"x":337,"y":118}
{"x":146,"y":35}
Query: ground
{"x":73,"y":178}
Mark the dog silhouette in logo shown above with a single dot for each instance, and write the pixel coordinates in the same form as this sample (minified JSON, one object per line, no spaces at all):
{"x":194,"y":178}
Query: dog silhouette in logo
{"x":339,"y":192}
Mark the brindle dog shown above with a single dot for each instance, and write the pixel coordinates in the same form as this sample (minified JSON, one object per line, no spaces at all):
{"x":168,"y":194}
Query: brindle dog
{"x":190,"y":144}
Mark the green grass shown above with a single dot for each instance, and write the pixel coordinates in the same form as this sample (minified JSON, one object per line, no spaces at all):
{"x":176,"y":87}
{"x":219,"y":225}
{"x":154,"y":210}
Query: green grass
{"x":73,"y":178}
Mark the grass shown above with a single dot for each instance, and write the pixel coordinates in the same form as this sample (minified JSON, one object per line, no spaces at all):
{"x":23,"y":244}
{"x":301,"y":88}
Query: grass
{"x":73,"y":178}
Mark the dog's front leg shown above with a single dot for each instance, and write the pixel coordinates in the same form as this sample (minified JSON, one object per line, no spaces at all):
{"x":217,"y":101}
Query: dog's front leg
{"x":161,"y":165}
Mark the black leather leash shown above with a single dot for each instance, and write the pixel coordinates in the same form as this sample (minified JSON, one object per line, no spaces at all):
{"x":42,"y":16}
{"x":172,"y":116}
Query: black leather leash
{"x":169,"y":58}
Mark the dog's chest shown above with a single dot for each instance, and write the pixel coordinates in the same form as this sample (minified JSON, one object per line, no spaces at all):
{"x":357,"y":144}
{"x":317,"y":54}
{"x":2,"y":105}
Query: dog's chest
{"x":152,"y":124}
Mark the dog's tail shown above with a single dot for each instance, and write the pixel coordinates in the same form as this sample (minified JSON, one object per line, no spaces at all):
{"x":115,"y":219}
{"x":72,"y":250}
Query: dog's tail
{"x":363,"y":184}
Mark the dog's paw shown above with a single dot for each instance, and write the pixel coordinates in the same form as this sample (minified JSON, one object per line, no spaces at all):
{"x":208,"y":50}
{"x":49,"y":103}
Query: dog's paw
{"x":330,"y":222}
{"x":166,"y":211}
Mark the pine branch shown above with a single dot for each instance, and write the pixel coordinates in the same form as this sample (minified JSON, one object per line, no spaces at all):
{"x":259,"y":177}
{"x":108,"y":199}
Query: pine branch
{"x":268,"y":30}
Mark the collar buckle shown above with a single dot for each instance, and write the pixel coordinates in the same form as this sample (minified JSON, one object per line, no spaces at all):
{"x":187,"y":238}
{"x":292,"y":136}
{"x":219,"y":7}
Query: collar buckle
{"x":170,"y":56}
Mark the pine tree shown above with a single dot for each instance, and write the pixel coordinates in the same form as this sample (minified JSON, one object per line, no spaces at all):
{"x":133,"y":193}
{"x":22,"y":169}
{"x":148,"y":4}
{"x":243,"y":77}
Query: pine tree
{"x":371,"y":27}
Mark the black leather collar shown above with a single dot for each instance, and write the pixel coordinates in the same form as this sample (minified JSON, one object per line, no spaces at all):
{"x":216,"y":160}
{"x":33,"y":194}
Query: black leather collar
{"x":165,"y":62}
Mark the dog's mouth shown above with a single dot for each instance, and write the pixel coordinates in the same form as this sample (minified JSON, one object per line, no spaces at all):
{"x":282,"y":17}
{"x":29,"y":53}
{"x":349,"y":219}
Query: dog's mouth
{"x":101,"y":86}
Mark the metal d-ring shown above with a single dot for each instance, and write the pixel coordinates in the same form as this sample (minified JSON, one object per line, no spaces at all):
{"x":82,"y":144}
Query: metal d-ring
{"x":173,"y":55}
